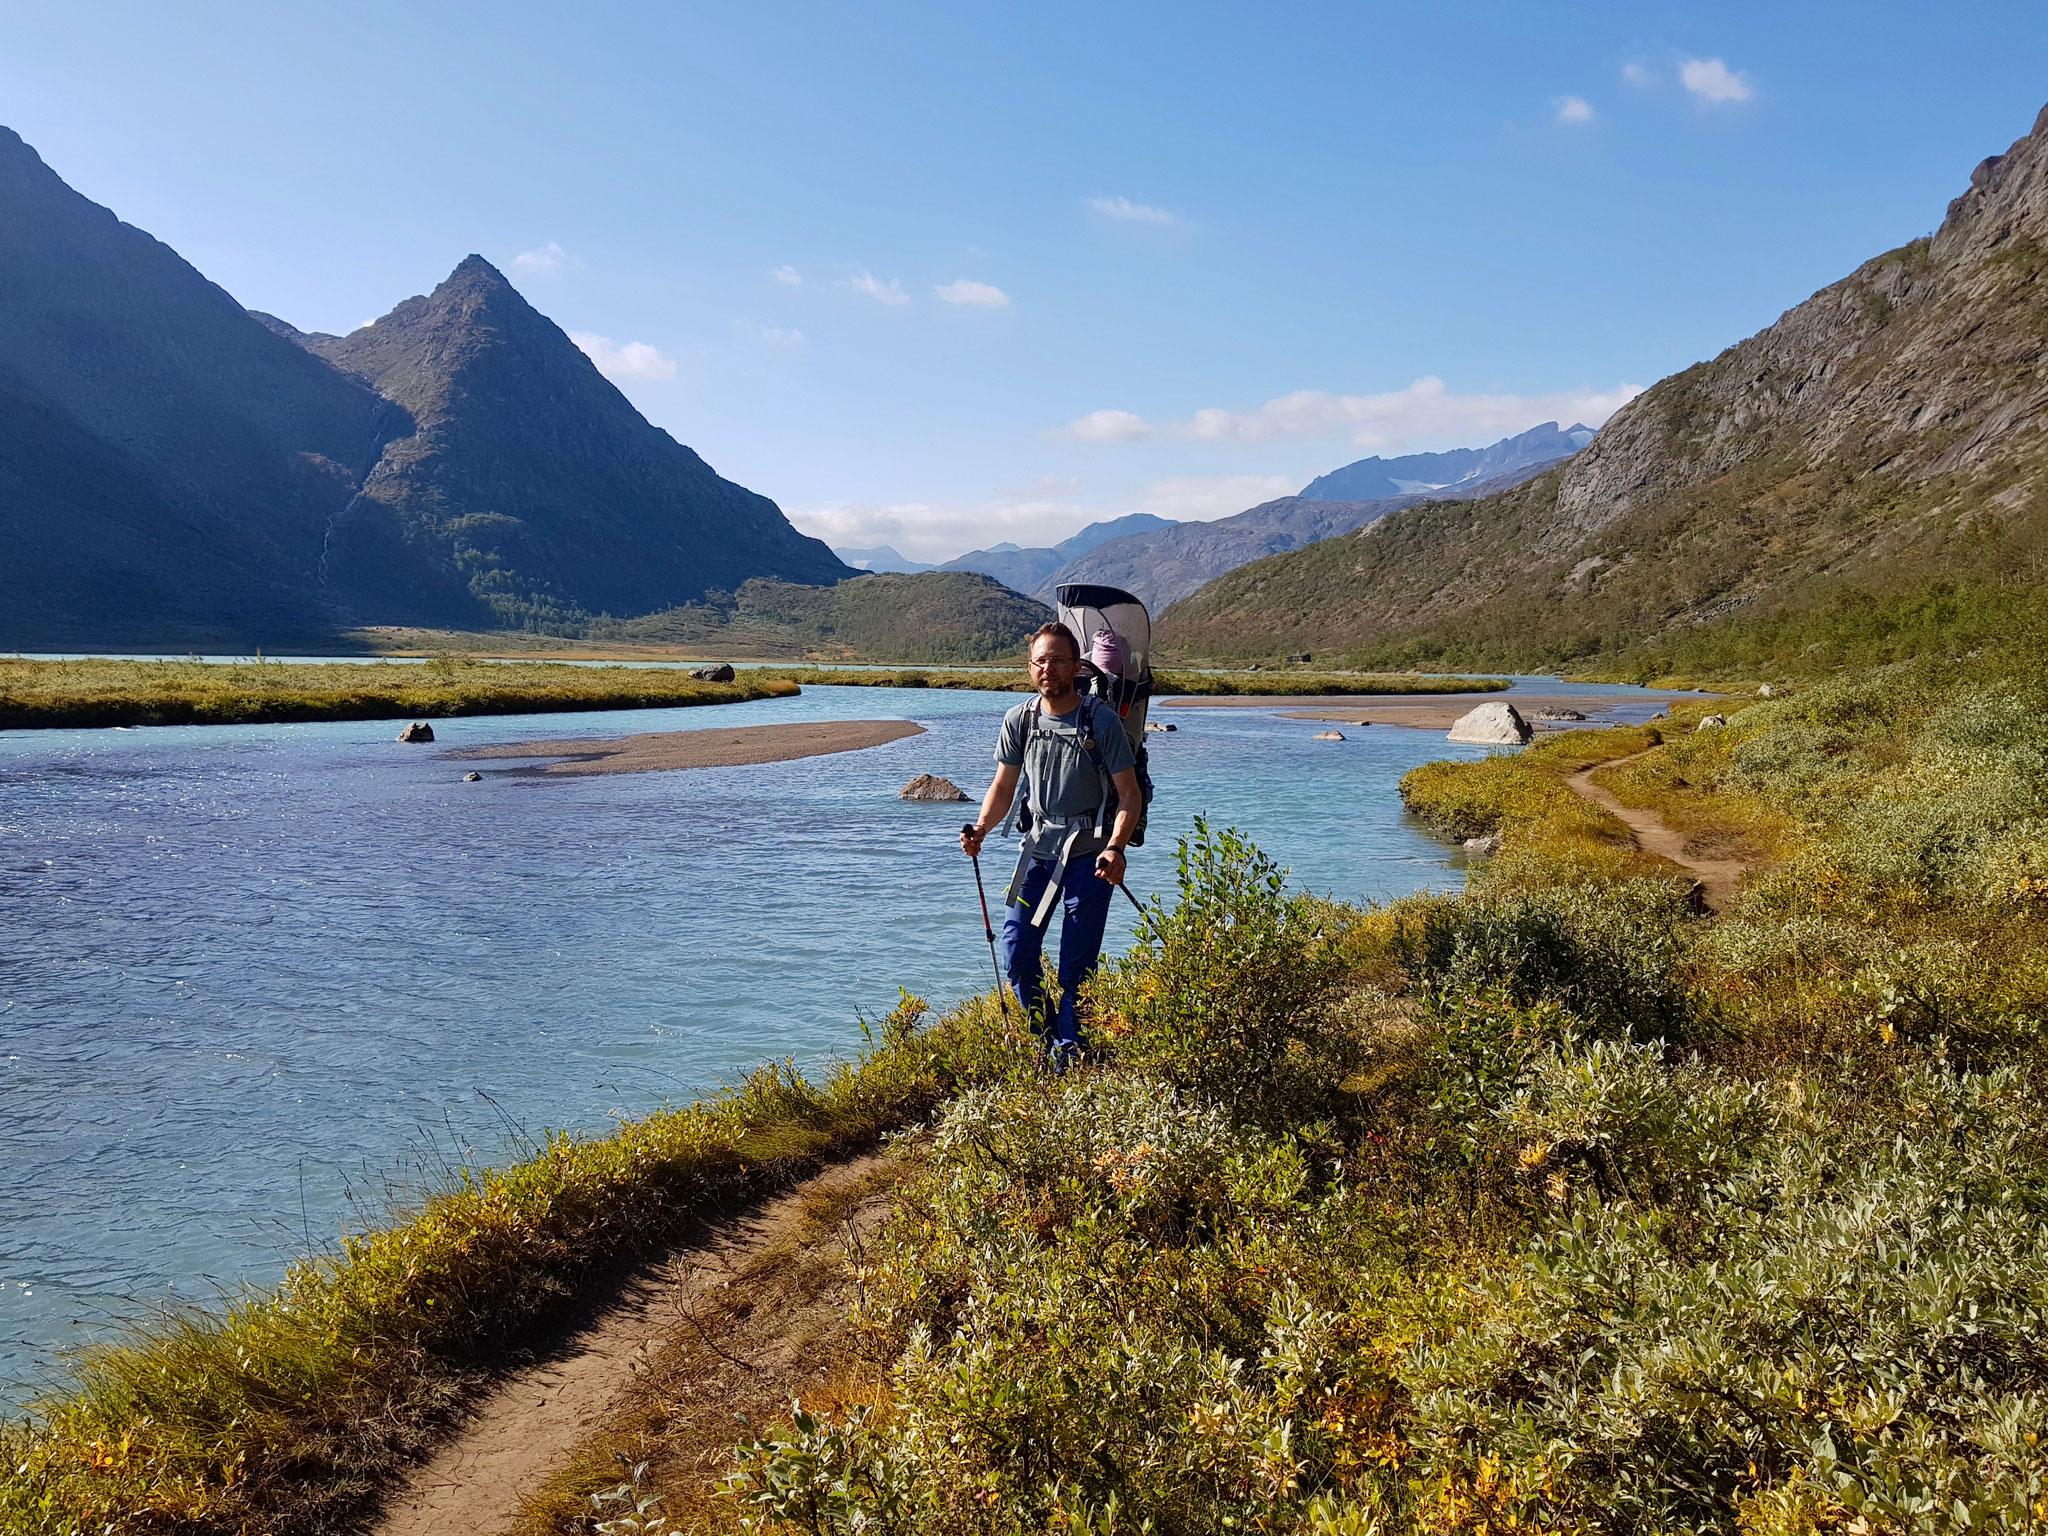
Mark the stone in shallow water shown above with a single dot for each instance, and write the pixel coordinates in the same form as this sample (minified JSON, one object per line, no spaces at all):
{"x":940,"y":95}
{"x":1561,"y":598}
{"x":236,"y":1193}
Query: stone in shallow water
{"x":1493,"y":725}
{"x":1329,"y":735}
{"x":929,"y":787}
{"x":419,"y":730}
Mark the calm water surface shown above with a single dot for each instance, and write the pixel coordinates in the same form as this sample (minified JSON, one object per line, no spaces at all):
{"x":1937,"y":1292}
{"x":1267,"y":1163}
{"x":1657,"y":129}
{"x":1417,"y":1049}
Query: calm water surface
{"x":250,"y":976}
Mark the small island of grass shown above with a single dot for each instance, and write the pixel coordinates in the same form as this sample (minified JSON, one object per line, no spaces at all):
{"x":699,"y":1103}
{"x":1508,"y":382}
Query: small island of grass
{"x":89,"y":693}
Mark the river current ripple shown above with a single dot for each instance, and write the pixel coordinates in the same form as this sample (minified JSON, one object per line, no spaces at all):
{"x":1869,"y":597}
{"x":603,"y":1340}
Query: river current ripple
{"x":254,"y":981}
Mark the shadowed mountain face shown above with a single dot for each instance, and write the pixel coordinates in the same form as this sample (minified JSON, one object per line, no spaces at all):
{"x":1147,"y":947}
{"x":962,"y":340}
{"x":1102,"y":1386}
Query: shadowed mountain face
{"x":175,"y":472}
{"x":167,"y":466}
{"x":531,"y":490}
{"x":1882,"y":439}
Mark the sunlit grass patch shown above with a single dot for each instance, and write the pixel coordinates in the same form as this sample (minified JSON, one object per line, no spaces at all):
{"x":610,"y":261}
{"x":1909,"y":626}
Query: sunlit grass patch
{"x":102,"y":693}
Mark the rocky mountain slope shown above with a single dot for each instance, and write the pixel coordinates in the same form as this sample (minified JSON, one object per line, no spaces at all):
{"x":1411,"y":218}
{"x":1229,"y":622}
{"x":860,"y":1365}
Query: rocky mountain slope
{"x":1165,"y":566}
{"x":175,"y":472}
{"x":167,"y":466}
{"x":1421,"y":473}
{"x":1037,"y":571}
{"x":1882,"y":441}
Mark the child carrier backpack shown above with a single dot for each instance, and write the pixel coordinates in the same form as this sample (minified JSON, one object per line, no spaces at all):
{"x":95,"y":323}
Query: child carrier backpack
{"x":1115,"y":633}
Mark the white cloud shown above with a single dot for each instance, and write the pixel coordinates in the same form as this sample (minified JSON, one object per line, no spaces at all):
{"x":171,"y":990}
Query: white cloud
{"x":636,"y":362}
{"x":1110,"y":427}
{"x":979,"y":295}
{"x":890,"y":293}
{"x":543,"y":262}
{"x":788,"y":274}
{"x":780,"y":338}
{"x":1040,"y":516}
{"x":1713,"y":81}
{"x":1124,"y":208}
{"x":1425,"y":411}
{"x":937,"y":531}
{"x":1639,"y":75}
{"x":1574,"y":109}
{"x":1200,"y":498}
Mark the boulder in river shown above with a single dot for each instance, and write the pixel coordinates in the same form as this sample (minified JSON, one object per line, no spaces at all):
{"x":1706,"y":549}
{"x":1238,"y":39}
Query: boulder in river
{"x":1498,"y":724}
{"x":472,"y":777}
{"x":1154,"y":725}
{"x":930,"y":787}
{"x":722,"y":673}
{"x":1329,"y":735}
{"x":419,"y":730}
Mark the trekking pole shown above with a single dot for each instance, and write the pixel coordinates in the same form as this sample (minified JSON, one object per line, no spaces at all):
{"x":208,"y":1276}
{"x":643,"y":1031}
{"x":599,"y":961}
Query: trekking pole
{"x":988,"y":930}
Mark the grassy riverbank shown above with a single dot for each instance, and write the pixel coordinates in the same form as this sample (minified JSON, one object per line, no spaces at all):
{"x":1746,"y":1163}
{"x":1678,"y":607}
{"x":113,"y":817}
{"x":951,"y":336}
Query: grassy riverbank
{"x":287,"y":1409}
{"x":103,"y":693}
{"x":1207,"y":684}
{"x":1552,"y":1206}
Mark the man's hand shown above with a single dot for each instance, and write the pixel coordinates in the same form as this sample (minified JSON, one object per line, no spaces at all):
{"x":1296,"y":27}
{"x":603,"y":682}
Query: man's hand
{"x":1109,"y":865}
{"x":970,"y":840}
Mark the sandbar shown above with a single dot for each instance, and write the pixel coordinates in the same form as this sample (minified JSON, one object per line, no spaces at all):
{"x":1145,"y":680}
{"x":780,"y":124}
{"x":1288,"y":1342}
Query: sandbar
{"x":721,"y":747}
{"x":1434,"y":714}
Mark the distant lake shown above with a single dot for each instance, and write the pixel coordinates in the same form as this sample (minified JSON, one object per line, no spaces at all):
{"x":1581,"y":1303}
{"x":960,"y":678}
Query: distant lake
{"x":252,"y":976}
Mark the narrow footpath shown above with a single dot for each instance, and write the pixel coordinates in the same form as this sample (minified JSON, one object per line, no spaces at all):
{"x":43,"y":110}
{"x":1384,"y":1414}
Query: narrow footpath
{"x":1717,"y":877}
{"x":661,"y":1367}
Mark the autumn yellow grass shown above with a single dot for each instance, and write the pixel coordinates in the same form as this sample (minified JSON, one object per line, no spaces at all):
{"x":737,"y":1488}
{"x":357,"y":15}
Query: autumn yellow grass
{"x":104,"y":692}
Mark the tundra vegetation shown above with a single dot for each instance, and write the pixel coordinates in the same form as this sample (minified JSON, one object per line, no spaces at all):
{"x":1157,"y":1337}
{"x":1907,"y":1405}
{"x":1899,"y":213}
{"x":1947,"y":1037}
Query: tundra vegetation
{"x":1279,"y":682}
{"x":1551,"y":1206}
{"x":102,"y":692}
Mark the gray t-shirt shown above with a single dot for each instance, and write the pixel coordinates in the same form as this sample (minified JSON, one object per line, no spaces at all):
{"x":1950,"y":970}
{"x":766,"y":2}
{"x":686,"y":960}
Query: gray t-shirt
{"x":1060,"y":775}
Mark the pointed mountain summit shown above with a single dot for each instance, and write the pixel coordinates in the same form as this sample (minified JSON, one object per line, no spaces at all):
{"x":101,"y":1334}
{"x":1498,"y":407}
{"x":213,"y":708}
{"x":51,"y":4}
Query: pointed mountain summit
{"x":531,"y":491}
{"x":178,"y":472}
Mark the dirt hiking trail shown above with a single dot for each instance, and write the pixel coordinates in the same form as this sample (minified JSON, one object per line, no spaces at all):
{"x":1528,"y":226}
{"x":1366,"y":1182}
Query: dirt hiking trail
{"x":1653,"y":834}
{"x":670,"y":1323}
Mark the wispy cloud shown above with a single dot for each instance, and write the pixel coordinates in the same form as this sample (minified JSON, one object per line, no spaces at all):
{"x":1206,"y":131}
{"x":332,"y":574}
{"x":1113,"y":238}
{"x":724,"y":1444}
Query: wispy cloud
{"x":1638,"y":74}
{"x":974,"y":295}
{"x":788,"y":274}
{"x":1201,"y":498}
{"x":1714,"y":82}
{"x":890,"y":293}
{"x":1574,"y":109}
{"x":1035,"y":516}
{"x":1426,"y":411}
{"x":1110,"y":427}
{"x":1124,"y":208}
{"x":636,"y":362}
{"x":544,"y":261}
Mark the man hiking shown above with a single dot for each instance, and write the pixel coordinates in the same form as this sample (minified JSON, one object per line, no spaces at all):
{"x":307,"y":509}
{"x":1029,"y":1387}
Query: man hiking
{"x":1078,"y":768}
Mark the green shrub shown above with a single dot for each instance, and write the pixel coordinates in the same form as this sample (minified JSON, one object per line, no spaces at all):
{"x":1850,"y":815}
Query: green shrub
{"x":1224,"y":994}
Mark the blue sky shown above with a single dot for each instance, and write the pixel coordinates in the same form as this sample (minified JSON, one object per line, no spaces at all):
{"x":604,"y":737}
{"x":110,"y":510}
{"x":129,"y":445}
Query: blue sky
{"x":940,"y":275}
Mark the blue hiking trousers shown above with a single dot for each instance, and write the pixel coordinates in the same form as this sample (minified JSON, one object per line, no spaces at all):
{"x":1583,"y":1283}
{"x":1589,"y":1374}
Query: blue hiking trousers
{"x":1084,"y":907}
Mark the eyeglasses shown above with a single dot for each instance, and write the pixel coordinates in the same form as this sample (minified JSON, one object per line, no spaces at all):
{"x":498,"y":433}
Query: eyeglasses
{"x":1047,"y":663}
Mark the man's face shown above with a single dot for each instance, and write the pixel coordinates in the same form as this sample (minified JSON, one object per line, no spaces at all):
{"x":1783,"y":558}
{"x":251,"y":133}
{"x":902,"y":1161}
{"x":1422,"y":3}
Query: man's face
{"x":1053,"y":666}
